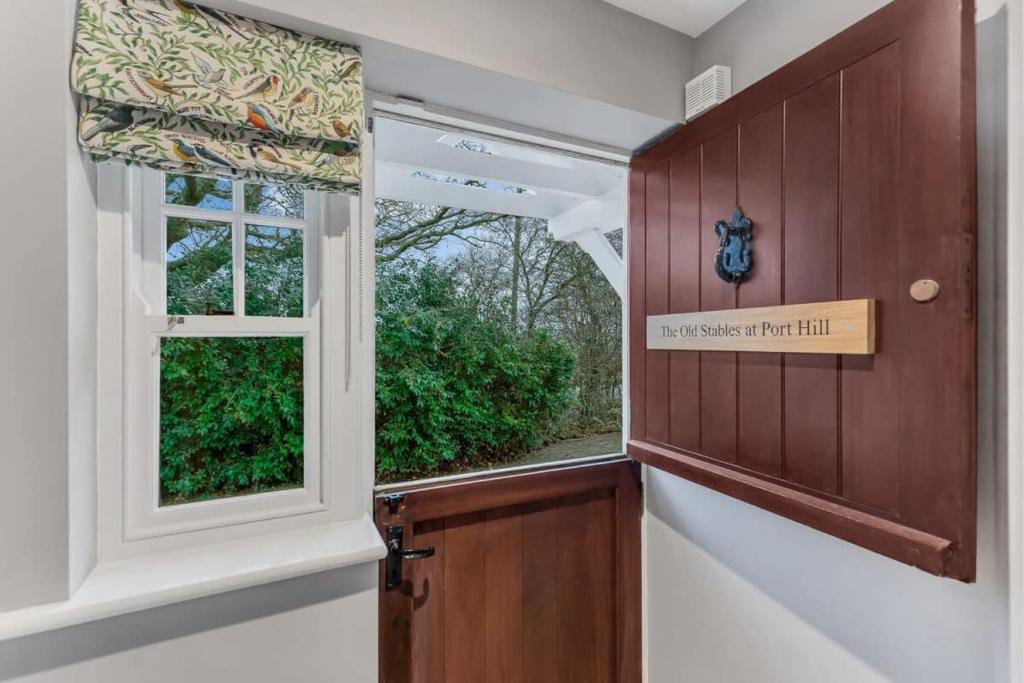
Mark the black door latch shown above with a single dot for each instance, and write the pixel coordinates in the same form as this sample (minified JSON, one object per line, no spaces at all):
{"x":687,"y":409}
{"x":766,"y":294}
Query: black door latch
{"x":393,"y":568}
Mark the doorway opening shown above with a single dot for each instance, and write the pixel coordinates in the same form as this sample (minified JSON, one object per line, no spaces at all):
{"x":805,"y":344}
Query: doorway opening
{"x":499,"y":283}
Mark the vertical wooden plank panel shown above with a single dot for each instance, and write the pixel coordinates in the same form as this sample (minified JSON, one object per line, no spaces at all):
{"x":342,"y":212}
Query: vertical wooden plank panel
{"x":600,"y":540}
{"x":628,"y":548}
{"x":759,"y":381}
{"x":937,"y":226}
{"x":810,"y":210}
{"x":503,"y":586}
{"x":428,"y":589}
{"x":717,"y":369}
{"x":684,"y":296}
{"x":870,"y":268}
{"x":465,"y":635}
{"x":575,"y":629}
{"x":637,"y":253}
{"x":656,"y":268}
{"x":540,"y":593}
{"x":586,"y":588}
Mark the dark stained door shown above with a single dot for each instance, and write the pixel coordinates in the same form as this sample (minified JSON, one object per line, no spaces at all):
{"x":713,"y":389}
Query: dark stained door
{"x":855,"y":163}
{"x":535,"y":578}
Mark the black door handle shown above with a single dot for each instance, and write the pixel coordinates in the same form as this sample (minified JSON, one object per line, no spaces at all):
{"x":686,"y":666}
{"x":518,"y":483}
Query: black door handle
{"x":417,"y":554}
{"x":396,"y":555}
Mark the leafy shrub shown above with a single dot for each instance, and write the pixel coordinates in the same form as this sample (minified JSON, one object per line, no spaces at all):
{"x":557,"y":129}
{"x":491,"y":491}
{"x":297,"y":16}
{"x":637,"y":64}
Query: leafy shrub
{"x":231,"y":416}
{"x":454,"y":386}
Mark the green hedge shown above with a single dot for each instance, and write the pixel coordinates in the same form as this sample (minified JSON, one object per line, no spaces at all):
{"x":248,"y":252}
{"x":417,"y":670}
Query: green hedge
{"x":455,"y":386}
{"x":231,"y":416}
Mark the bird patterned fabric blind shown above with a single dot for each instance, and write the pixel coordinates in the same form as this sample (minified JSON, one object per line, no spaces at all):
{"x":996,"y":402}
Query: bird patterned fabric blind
{"x":180,"y":87}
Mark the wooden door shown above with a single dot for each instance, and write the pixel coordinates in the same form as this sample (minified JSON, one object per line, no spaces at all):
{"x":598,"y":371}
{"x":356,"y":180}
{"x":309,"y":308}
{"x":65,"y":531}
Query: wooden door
{"x":855,"y":163}
{"x":535,"y":578}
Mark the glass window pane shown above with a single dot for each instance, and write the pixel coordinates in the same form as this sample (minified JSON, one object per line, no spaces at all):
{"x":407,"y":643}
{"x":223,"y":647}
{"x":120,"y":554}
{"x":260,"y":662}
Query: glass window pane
{"x":287,"y":201}
{"x":197,"y":191}
{"x":198,"y":267}
{"x":273,"y":271}
{"x":231,"y":416}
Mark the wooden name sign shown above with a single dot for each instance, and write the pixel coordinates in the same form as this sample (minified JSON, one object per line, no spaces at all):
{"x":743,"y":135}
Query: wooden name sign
{"x":826,"y":327}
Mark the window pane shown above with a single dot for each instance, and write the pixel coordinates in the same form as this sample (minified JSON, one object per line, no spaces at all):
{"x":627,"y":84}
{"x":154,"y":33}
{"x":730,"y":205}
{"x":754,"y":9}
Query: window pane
{"x":231,"y":416}
{"x":287,"y":201}
{"x":273,"y":271}
{"x":198,"y":191}
{"x":198,"y":267}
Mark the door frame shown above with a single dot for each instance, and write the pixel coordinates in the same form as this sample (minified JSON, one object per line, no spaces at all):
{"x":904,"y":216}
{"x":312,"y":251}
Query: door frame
{"x":446,"y":118}
{"x":517,"y":488}
{"x":507,"y":485}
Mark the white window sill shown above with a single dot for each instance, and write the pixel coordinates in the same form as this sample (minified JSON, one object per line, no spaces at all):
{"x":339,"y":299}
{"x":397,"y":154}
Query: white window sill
{"x":131,"y":585}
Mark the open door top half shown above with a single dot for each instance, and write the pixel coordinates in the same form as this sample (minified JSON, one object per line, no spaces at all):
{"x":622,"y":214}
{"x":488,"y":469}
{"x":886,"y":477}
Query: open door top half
{"x":855,"y":165}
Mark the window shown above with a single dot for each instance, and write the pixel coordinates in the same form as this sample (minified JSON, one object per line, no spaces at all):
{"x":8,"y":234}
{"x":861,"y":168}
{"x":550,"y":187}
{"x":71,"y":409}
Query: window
{"x":225,"y":354}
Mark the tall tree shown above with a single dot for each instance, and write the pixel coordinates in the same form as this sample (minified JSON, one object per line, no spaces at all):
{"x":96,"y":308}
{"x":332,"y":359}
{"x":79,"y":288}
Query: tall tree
{"x":517,"y":241}
{"x":404,"y":228}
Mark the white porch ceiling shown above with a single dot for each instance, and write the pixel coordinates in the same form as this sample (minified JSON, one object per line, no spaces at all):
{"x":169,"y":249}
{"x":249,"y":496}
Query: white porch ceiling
{"x":691,"y":17}
{"x":407,"y":155}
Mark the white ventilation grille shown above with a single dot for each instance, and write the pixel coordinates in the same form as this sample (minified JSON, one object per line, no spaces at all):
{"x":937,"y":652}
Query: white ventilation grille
{"x":707,"y":90}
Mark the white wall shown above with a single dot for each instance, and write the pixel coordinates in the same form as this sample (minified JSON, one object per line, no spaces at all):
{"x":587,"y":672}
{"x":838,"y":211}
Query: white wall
{"x":34,"y":361}
{"x":759,"y":36}
{"x":1015,"y":331}
{"x":48,"y":353}
{"x":739,"y":594}
{"x":81,"y":279}
{"x":585,"y":47}
{"x":314,"y":629}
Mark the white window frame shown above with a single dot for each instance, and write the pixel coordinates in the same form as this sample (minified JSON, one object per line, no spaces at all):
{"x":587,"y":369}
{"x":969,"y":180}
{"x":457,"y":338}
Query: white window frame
{"x":149,"y":324}
{"x":338,"y":470}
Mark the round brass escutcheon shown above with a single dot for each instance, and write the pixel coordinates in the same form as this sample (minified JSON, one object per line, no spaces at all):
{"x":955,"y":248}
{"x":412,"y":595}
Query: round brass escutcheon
{"x":923,"y":291}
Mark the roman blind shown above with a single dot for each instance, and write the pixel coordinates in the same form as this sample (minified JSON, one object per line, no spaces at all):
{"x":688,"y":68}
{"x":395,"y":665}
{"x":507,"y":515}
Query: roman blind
{"x":184,"y":88}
